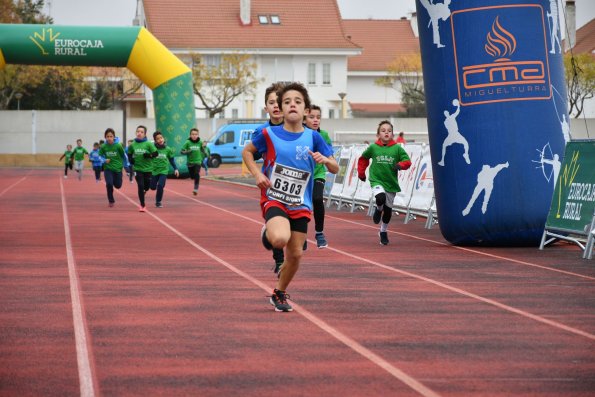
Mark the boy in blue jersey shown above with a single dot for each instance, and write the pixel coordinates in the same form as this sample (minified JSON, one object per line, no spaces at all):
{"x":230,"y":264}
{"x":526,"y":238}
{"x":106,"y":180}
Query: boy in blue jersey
{"x":286,"y":182}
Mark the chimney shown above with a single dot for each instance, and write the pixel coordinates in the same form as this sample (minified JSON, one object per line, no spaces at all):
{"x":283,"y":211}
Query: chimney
{"x":570,"y":25}
{"x":245,"y":12}
{"x":414,"y":24}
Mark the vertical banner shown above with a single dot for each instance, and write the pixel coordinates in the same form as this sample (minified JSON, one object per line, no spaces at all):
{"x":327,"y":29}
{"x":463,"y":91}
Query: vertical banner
{"x":497,"y":121}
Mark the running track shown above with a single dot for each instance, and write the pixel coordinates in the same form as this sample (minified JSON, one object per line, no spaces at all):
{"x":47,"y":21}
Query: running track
{"x":109,"y":301}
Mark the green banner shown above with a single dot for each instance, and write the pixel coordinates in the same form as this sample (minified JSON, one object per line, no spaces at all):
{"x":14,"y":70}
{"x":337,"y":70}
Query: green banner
{"x":67,"y":45}
{"x":574,"y":196}
{"x":175,"y":114}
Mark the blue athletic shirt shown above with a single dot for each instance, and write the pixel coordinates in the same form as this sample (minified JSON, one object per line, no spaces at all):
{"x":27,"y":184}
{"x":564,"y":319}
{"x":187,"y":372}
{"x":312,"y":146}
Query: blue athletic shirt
{"x":291,"y":149}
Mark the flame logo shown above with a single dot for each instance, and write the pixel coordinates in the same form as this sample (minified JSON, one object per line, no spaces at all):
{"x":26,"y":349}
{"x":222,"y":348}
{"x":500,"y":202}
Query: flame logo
{"x":500,"y":42}
{"x":39,"y":39}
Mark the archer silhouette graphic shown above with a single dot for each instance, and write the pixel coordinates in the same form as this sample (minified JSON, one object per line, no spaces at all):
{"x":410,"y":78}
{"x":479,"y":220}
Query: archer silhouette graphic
{"x":553,"y":20}
{"x":485,"y":182}
{"x":436,"y":11}
{"x":553,"y":161}
{"x":454,"y":136}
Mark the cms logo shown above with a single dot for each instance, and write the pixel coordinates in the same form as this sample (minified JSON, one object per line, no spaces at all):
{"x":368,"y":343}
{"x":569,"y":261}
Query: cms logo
{"x":507,"y":61}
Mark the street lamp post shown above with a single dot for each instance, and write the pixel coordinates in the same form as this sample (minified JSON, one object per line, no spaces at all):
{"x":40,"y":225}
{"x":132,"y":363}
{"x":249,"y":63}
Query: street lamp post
{"x":18,"y":97}
{"x":342,"y":96}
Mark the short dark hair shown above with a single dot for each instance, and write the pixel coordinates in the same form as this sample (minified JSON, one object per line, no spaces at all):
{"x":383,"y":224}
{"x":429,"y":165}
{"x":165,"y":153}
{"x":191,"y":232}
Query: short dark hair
{"x":143,"y":127}
{"x":275,"y":87}
{"x":109,"y":130}
{"x":156,"y":133}
{"x":384,"y":122}
{"x":315,"y":107}
{"x":299,"y":87}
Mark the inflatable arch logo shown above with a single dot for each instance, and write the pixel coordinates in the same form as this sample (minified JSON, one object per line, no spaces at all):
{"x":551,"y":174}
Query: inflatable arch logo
{"x":132,"y":47}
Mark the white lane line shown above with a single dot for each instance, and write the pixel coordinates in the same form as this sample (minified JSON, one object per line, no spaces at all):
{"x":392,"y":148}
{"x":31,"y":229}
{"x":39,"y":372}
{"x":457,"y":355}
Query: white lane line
{"x":446,"y":244}
{"x":443,"y":243}
{"x":86,"y":375}
{"x":352,"y":344}
{"x":13,"y":185}
{"x":431,"y":281}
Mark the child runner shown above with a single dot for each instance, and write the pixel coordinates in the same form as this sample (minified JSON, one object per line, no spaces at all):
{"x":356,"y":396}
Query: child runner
{"x":271,"y":106}
{"x":78,"y":155}
{"x":96,"y":161}
{"x":388,"y":158}
{"x":195,"y":153}
{"x":292,"y":152}
{"x":114,"y":160}
{"x":128,"y":163}
{"x":141,"y":152}
{"x":67,"y":156}
{"x":313,"y":122}
{"x":161,"y":163}
{"x":205,"y":161}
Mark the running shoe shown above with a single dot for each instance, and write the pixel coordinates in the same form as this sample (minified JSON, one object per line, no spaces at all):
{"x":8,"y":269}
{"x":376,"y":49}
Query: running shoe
{"x":111,"y":205}
{"x":321,"y":240}
{"x":65,"y":176}
{"x":195,"y":192}
{"x":141,"y":209}
{"x":158,"y":205}
{"x":377,"y":216}
{"x":263,"y":238}
{"x":383,"y":238}
{"x":279,"y":300}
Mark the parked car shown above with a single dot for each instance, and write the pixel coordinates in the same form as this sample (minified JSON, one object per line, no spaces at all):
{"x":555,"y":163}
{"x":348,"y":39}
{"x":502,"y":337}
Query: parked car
{"x":229,"y":141}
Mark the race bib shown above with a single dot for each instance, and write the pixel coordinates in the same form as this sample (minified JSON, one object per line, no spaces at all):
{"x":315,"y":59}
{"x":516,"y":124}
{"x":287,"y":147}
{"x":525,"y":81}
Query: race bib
{"x":288,"y":184}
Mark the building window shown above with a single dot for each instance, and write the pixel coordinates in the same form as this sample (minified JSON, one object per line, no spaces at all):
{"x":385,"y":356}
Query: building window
{"x":275,"y":20}
{"x":212,"y":60}
{"x":234,"y":113}
{"x":263,"y":19}
{"x":331,"y":113}
{"x":311,"y":73}
{"x":326,"y":73}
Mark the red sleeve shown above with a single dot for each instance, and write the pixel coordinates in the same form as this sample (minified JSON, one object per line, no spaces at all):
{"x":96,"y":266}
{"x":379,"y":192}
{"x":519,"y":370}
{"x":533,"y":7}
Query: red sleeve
{"x":404,"y":164}
{"x":362,"y":164}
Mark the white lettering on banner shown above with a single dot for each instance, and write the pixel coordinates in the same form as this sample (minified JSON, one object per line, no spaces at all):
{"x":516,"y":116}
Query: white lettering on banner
{"x":582,"y":192}
{"x":75,"y":47}
{"x":572,"y":211}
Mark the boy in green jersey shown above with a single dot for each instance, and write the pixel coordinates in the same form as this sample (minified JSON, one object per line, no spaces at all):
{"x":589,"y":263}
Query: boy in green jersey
{"x":313,"y":122}
{"x":141,"y":153}
{"x":388,"y":158}
{"x":114,"y":156}
{"x":78,"y":155}
{"x":67,"y":156}
{"x":195,"y":153}
{"x":161,"y":163}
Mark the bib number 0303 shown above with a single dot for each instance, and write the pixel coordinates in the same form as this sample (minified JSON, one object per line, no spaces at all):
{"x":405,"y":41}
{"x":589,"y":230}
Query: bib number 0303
{"x":288,"y":184}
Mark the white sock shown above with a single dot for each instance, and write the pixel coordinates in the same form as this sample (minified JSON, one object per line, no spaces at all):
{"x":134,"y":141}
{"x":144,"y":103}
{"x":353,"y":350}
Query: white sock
{"x":383,"y":227}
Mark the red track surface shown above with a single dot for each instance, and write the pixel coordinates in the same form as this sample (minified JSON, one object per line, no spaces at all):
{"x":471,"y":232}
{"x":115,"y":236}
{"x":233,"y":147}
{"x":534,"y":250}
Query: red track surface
{"x":110,"y":301}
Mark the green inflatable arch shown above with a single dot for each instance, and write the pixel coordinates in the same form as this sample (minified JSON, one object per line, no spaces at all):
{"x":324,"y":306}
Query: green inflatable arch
{"x":132,"y":47}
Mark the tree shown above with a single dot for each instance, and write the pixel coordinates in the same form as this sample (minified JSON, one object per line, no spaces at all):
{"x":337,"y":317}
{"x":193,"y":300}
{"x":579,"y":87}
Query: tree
{"x":62,"y":88}
{"x":29,"y":11}
{"x":579,"y":72}
{"x":404,"y":74}
{"x":217,"y":81}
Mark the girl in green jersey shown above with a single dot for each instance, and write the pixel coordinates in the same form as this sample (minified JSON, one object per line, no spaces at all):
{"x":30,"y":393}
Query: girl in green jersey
{"x":114,"y":156}
{"x":165,"y":157}
{"x":141,"y":153}
{"x":388,"y":159}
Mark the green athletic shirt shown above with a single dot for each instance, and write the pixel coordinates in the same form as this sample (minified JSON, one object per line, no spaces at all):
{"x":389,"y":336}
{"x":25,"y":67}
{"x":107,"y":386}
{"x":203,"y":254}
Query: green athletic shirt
{"x":320,"y":169}
{"x":115,"y":154}
{"x":137,"y":151}
{"x":67,"y":156}
{"x":383,"y":159}
{"x":79,"y":153}
{"x":194,"y":151}
{"x":161,"y":162}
